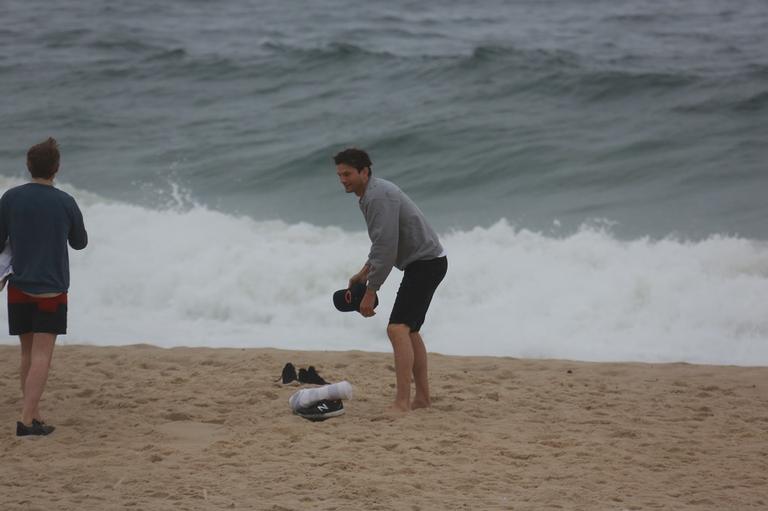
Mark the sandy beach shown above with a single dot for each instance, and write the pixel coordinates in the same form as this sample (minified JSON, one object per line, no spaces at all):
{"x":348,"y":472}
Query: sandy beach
{"x":147,"y":428}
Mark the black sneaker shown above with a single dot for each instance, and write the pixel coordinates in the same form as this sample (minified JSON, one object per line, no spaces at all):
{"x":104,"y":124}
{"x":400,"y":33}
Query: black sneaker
{"x":37,"y":428}
{"x":321,"y":410}
{"x":310,"y":376}
{"x":289,"y":373}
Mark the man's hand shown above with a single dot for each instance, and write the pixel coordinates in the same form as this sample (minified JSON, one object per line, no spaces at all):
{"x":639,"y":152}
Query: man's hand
{"x":354,"y":279}
{"x":360,"y":277}
{"x":366,"y":306}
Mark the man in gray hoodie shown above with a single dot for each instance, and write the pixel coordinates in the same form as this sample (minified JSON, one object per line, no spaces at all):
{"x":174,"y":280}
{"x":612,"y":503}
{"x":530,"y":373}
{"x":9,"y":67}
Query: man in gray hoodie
{"x":400,"y":237}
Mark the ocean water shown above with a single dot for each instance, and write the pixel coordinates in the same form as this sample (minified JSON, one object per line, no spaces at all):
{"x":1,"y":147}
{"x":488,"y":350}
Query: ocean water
{"x":597,"y":170}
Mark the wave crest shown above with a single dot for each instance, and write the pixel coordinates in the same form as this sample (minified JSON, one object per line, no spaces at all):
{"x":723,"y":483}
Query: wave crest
{"x":199,"y":277}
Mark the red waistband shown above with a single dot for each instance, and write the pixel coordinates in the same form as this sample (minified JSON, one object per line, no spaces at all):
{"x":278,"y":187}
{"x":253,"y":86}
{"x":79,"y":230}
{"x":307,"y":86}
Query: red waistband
{"x":15,"y":295}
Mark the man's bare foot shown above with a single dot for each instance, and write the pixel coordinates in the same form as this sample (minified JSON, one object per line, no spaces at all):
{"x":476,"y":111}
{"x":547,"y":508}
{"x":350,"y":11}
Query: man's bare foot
{"x":397,"y":407}
{"x":420,"y":403}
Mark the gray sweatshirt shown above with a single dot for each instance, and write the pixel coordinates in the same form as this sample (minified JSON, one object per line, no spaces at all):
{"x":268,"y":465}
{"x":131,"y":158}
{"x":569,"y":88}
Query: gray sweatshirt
{"x":398,"y":230}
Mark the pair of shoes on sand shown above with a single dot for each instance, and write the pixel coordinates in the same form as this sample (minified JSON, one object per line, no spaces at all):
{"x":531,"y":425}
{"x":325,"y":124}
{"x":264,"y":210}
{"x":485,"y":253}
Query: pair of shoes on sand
{"x":321,"y":410}
{"x":308,"y":375}
{"x":37,"y":428}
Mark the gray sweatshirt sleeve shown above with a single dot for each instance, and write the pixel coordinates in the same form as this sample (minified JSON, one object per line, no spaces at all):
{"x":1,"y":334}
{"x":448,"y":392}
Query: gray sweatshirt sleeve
{"x":383,"y":219}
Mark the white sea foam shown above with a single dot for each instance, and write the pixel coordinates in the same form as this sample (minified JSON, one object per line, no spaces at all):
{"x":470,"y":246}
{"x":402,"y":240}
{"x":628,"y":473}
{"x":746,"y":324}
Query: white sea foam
{"x":197,"y":277}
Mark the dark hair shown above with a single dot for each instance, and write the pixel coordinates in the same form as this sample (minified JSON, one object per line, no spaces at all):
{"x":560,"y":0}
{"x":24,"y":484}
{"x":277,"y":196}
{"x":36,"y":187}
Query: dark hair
{"x":43,"y":159}
{"x":354,"y":157}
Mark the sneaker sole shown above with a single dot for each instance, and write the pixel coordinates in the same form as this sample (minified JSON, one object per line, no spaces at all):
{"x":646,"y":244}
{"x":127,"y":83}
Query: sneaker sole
{"x":322,"y":417}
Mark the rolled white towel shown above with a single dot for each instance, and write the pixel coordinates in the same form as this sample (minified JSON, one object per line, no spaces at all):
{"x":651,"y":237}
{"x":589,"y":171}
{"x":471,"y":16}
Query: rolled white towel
{"x":305,"y":397}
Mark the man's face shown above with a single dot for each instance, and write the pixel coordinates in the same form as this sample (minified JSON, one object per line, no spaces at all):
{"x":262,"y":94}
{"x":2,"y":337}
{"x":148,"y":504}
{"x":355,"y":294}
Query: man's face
{"x":351,"y":179}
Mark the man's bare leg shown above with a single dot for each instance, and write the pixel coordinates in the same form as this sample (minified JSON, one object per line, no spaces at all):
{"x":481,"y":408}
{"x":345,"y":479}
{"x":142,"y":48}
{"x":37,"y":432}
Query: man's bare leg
{"x":37,"y":375}
{"x":399,"y":336}
{"x":420,"y":373}
{"x":26,"y":359}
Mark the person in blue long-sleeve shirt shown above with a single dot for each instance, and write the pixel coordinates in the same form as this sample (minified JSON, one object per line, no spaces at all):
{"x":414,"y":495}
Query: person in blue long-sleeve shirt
{"x":38,"y":220}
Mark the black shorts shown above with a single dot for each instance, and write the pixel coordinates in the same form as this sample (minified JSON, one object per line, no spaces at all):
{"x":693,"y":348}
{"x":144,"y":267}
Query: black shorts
{"x":27,"y":314}
{"x":416,"y":290}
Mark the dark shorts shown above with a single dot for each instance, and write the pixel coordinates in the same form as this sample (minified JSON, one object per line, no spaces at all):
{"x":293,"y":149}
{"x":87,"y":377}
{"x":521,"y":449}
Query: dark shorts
{"x":416,"y":290}
{"x":29,"y":314}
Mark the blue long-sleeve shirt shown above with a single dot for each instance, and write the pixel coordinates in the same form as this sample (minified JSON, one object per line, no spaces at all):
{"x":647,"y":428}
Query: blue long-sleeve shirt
{"x":398,"y":230}
{"x":39,"y":220}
